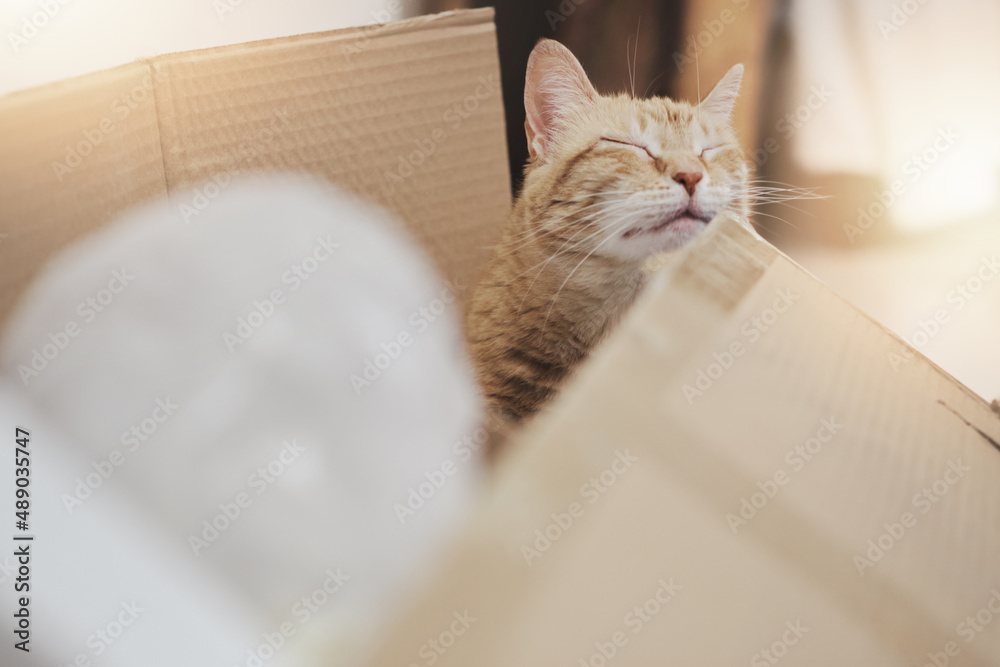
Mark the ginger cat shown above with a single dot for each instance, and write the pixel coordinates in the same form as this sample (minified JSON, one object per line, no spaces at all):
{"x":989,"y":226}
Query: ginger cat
{"x":611,"y":181}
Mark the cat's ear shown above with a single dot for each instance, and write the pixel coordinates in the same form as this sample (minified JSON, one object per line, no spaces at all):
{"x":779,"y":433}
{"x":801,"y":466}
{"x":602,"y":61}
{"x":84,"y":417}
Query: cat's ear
{"x":554,"y":83}
{"x":722,"y":99}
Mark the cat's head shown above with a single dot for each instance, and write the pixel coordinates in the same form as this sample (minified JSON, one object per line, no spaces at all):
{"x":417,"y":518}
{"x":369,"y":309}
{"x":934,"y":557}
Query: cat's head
{"x":622,"y":177}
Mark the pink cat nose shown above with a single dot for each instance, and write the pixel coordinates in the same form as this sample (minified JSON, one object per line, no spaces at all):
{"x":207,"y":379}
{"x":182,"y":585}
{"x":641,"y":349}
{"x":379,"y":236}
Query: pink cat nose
{"x":689,"y":179}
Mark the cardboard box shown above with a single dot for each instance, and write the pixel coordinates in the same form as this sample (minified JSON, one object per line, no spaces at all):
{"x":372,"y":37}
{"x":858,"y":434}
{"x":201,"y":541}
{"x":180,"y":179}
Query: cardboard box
{"x":749,"y":464}
{"x":749,"y":470}
{"x":408,"y":114}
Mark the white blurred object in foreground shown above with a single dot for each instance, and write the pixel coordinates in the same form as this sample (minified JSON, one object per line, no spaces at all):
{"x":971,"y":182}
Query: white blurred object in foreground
{"x":250,"y":425}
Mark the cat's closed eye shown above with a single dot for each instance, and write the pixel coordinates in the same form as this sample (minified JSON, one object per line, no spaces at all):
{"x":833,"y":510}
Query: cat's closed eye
{"x":638,"y":147}
{"x":709,"y":151}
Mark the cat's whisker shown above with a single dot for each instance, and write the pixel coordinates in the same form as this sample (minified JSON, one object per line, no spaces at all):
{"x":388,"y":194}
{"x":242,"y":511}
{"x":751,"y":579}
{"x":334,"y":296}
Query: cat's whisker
{"x":785,"y":203}
{"x":594,"y":233}
{"x":766,"y":180}
{"x":596,"y":248}
{"x":533,"y":233}
{"x":778,"y":218}
{"x":603,"y":202}
{"x":598,"y":195}
{"x":762,"y":196}
{"x":786,"y":193}
{"x":765,"y":197}
{"x":628,"y":63}
{"x":562,"y":249}
{"x":782,"y":192}
{"x":774,"y":188}
{"x":697,"y":82}
{"x":635,"y":55}
{"x":517,"y":242}
{"x":654,"y":81}
{"x":612,"y":229}
{"x":795,"y":208}
{"x":593,"y":216}
{"x":773,"y":196}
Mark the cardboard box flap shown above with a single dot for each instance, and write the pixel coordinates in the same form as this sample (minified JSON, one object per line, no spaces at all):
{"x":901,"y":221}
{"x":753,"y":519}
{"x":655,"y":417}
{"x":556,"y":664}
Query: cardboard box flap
{"x":407,"y":114}
{"x":75,"y":153}
{"x":748,"y":465}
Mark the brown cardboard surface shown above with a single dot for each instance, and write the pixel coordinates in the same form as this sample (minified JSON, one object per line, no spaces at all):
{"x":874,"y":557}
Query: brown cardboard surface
{"x":72,"y":155}
{"x":409,"y":115}
{"x":671,"y":517}
{"x":404,"y":114}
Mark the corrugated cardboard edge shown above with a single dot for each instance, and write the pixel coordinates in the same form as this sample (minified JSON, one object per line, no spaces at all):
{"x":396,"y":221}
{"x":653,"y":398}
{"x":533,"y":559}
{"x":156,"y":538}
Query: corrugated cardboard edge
{"x":451,"y":19}
{"x":455,"y":18}
{"x":709,"y":268}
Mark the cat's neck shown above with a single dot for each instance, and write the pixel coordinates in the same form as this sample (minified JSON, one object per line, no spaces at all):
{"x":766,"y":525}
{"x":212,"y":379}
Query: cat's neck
{"x":538,"y":310}
{"x":575,"y":288}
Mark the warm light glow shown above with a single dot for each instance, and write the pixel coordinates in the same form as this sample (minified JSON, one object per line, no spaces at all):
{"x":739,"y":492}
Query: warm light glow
{"x":913,"y":99}
{"x":962,"y":184}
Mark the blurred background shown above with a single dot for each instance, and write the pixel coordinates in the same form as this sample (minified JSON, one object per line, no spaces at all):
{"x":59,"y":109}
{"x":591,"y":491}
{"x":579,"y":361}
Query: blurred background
{"x":887,"y":109}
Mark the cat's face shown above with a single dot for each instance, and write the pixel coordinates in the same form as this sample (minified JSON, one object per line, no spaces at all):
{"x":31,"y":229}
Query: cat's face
{"x":626,"y":178}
